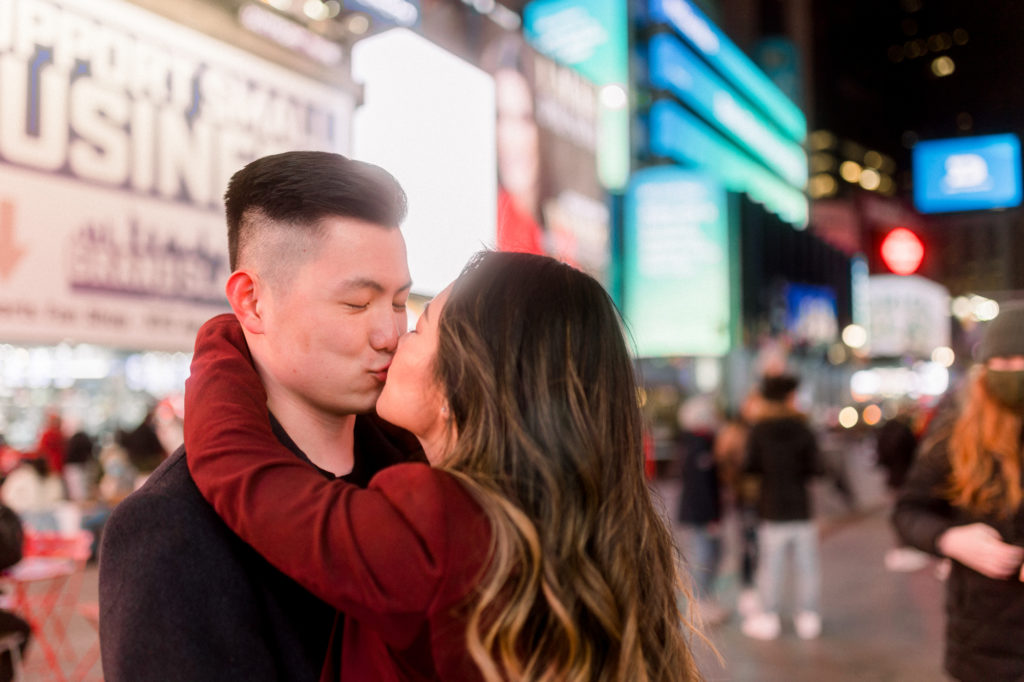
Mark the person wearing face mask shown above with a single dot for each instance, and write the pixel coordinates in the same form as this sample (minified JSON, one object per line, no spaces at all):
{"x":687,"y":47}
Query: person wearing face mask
{"x":964,"y":499}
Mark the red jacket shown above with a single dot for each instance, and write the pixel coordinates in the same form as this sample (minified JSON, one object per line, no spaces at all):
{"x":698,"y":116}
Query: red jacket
{"x":399,"y":558}
{"x":51,"y":448}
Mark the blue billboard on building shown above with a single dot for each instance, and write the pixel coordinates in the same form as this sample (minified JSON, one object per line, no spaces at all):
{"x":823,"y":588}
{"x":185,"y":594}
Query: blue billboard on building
{"x":969,"y":173}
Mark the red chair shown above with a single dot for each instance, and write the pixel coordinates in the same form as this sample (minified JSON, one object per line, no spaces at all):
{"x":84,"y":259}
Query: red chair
{"x":90,"y":611}
{"x":45,"y":585}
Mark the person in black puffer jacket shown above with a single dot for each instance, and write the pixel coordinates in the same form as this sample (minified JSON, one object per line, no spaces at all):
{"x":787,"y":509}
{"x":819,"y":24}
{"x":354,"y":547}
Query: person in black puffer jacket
{"x":782,"y":452}
{"x":963,"y":500}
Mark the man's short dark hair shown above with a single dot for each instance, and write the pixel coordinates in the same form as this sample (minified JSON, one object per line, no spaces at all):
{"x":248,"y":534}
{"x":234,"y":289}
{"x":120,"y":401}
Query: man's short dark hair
{"x":301,"y":188}
{"x":778,"y":388}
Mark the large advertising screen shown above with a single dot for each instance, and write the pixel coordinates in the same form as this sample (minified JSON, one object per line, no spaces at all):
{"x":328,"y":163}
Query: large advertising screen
{"x":592,"y":38}
{"x":675,"y":68}
{"x":676,"y":276}
{"x":550,"y":199}
{"x":677,"y":134}
{"x":428,"y":118}
{"x":118,"y":132}
{"x":730,"y":61}
{"x":969,"y":173}
{"x":909,"y":315}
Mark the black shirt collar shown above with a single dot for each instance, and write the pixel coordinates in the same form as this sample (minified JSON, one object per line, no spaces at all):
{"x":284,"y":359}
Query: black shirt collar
{"x":376,"y":446}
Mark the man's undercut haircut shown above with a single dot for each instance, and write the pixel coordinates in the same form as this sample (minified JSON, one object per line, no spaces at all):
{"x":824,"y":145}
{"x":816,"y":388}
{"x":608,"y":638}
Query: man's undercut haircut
{"x":299,"y":189}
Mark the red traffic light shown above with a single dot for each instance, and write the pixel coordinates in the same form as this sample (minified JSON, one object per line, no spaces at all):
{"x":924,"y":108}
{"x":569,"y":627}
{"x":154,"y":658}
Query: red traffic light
{"x":902,"y":251}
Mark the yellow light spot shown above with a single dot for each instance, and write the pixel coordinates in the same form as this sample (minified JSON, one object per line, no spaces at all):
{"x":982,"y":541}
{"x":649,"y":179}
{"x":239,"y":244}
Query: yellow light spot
{"x":850,"y":171}
{"x":943,"y":66}
{"x":848,"y":417}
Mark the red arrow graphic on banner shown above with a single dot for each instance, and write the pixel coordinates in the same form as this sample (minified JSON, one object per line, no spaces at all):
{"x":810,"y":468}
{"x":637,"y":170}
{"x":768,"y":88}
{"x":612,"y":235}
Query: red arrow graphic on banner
{"x":10,"y":253}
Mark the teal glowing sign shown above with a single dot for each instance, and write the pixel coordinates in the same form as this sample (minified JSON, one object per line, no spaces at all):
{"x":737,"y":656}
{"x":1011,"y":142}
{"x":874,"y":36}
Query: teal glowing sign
{"x":591,"y":37}
{"x":674,"y":133}
{"x":588,"y":35}
{"x":714,"y":46}
{"x":676,"y":280}
{"x":675,"y":68}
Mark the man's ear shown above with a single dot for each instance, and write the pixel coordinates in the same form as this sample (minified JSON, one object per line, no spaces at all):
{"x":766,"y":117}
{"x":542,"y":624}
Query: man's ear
{"x":243,"y":290}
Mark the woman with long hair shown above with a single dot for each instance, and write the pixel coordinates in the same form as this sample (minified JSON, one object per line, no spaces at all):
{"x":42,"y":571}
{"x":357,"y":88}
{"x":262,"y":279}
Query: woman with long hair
{"x":530,"y":548}
{"x":962,"y":500}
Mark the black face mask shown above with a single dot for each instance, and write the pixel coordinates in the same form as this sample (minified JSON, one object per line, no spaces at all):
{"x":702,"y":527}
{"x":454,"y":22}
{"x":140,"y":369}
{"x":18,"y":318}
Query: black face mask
{"x":1007,"y":388}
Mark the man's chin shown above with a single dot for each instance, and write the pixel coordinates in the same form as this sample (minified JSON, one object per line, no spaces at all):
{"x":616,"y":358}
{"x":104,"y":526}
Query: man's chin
{"x":367,"y":406}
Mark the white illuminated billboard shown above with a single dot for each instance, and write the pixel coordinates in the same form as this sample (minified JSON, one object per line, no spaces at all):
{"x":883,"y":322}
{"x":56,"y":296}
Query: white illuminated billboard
{"x":119,"y":130}
{"x":428,"y":118}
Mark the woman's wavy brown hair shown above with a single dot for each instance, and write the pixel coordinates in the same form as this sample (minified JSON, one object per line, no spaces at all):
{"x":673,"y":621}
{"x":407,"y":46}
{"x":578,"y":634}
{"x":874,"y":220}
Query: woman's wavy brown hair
{"x":985,"y":454}
{"x":582,"y":582}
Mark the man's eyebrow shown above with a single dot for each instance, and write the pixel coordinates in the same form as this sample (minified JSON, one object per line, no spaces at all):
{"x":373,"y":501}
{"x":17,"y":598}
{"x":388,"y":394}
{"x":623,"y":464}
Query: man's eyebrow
{"x":368,"y":283}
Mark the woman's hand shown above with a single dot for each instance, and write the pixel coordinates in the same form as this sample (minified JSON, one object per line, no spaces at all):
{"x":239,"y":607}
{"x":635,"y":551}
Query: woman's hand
{"x":979,"y":546}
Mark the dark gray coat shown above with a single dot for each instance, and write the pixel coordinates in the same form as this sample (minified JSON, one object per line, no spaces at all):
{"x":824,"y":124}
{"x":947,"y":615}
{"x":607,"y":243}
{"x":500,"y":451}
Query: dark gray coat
{"x":183,"y":598}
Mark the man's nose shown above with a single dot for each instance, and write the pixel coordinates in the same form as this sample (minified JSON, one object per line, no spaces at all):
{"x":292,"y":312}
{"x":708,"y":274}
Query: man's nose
{"x":386,"y":331}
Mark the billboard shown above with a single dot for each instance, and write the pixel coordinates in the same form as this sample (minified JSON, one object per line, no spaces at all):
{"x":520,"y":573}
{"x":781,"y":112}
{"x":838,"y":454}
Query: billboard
{"x":909,"y":315}
{"x":811,"y":314}
{"x":118,"y":132}
{"x":730,"y":61}
{"x":676,"y":277}
{"x":428,"y":118}
{"x":675,"y":68}
{"x":966,"y":174}
{"x":592,"y":38}
{"x":677,"y":134}
{"x":550,"y":198}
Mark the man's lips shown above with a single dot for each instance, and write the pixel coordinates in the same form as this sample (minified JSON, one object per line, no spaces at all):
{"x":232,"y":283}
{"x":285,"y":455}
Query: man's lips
{"x":382,"y":374}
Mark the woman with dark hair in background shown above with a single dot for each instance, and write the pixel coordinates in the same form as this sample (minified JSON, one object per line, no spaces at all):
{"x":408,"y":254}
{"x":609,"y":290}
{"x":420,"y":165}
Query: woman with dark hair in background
{"x":529,"y":550}
{"x":963,"y":500}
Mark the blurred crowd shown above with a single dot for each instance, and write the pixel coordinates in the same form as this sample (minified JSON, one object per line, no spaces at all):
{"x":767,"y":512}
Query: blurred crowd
{"x":755,"y":467}
{"x":71,"y":479}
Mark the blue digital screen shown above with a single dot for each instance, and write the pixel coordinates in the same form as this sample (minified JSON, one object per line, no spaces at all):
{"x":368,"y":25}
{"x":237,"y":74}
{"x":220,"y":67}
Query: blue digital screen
{"x":675,"y":68}
{"x":811,"y":313}
{"x":967,"y":174}
{"x":678,"y":134}
{"x":591,"y":36}
{"x":729,"y":60}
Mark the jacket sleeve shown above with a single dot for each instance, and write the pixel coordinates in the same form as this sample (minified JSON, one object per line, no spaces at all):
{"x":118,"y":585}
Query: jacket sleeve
{"x":814,"y":462}
{"x":376,"y":553}
{"x":752,"y":455}
{"x":922,"y":513}
{"x":156,"y":608}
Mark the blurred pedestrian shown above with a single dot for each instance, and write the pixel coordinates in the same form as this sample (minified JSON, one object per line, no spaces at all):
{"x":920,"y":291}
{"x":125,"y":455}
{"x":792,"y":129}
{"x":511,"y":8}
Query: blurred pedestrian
{"x":35,"y":493}
{"x":783,"y":452}
{"x":52,"y":444}
{"x":145,"y":449}
{"x":9,"y":458}
{"x":79,"y":463}
{"x":12,"y":538}
{"x":700,"y":508}
{"x":896,"y":444}
{"x":963,"y":500}
{"x":740,"y":492}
